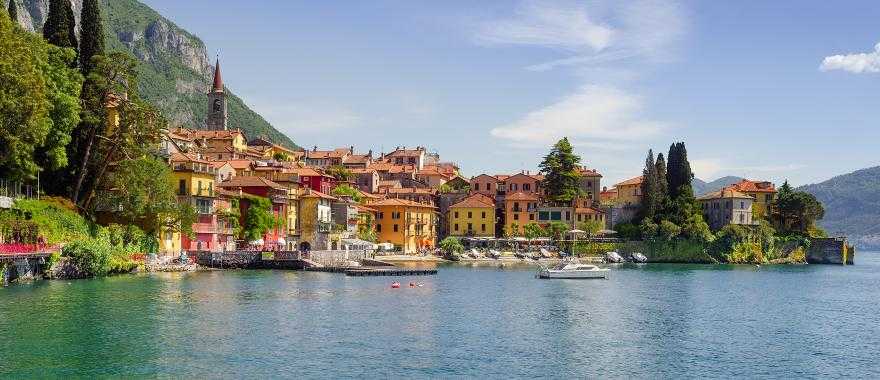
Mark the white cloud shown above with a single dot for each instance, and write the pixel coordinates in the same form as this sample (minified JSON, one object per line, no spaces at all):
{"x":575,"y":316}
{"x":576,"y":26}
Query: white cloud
{"x":592,"y":116}
{"x":596,"y":33}
{"x":545,"y":24}
{"x":706,"y":167}
{"x":855,"y":63}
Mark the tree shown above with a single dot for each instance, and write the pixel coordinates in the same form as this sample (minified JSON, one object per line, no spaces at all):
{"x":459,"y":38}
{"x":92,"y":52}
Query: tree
{"x":451,"y":246}
{"x":557,"y":230}
{"x":591,"y":227}
{"x":366,"y":231}
{"x":143,"y":194}
{"x":13,"y":12}
{"x":651,"y":196}
{"x":280,"y":156}
{"x":348,"y":191}
{"x":259,"y":218}
{"x":91,"y":34}
{"x":680,"y":204}
{"x":560,"y":169}
{"x":513,"y":230}
{"x":38,"y":101}
{"x":533,"y":231}
{"x":662,"y":185}
{"x":340,"y":172}
{"x":111,"y":85}
{"x":60,"y":26}
{"x":797,"y":211}
{"x":668,"y":230}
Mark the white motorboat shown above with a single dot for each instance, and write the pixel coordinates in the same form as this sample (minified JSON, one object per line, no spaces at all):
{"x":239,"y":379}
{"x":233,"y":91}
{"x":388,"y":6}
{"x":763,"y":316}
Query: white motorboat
{"x":572,"y":268}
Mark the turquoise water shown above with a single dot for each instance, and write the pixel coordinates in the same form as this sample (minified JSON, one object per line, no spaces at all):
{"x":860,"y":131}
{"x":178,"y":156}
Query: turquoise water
{"x":652,"y":321}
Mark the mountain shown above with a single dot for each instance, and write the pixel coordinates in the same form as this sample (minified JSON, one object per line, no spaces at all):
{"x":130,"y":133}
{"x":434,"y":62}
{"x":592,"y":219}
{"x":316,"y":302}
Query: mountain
{"x":175,"y":71}
{"x":852,"y":206}
{"x":702,"y":187}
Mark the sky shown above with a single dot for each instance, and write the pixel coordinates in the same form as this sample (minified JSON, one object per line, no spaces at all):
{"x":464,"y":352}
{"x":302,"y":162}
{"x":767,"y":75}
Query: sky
{"x":769,"y":90}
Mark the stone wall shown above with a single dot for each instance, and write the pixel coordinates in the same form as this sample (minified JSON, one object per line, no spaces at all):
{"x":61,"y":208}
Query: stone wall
{"x":830,"y":251}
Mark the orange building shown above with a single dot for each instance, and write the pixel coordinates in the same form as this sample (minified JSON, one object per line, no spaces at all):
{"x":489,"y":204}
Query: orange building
{"x":519,"y":210}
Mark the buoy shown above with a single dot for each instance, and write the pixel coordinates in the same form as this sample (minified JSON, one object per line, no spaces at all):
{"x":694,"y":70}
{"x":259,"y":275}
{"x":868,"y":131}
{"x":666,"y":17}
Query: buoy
{"x":412,"y":284}
{"x":395,"y":285}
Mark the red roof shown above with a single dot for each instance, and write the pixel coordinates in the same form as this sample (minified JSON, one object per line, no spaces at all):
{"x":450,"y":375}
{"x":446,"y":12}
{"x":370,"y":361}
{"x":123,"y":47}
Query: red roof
{"x":587,"y":210}
{"x":520,"y":196}
{"x":631,"y":181}
{"x":399,"y":202}
{"x":475,"y":201}
{"x":318,"y":194}
{"x":747,"y":186}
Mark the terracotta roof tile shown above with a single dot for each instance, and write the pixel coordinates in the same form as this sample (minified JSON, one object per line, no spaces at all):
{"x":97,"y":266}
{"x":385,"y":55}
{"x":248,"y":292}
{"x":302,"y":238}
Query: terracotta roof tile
{"x":399,"y":202}
{"x":475,"y":201}
{"x":250,"y":181}
{"x":631,"y":181}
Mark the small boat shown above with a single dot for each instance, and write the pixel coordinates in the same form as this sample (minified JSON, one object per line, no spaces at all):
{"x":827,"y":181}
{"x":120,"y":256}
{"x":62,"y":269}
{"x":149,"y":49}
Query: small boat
{"x":613,"y":257}
{"x":573,"y":269}
{"x":637,"y":257}
{"x":546,"y":254}
{"x":494,"y":254}
{"x":475,"y":254}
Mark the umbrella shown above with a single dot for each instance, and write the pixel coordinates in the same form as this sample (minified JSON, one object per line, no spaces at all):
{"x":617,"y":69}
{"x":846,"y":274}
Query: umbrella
{"x":607,"y":232}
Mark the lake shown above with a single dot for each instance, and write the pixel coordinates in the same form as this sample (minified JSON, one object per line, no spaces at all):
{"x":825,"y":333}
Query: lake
{"x":649,"y":321}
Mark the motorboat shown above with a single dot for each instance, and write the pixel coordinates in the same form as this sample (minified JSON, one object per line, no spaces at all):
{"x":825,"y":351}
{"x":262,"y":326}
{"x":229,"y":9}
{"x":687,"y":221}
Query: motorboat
{"x":546,"y":254}
{"x":637,"y":257}
{"x":475,"y":254}
{"x":572,"y":268}
{"x":494,"y":254}
{"x":613,"y":257}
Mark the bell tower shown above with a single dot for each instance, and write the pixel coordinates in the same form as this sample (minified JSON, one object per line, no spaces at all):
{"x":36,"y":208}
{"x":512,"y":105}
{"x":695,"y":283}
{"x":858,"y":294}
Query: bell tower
{"x":218,"y":115}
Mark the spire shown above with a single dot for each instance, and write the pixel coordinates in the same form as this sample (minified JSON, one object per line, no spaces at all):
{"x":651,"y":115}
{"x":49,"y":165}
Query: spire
{"x":218,"y":81}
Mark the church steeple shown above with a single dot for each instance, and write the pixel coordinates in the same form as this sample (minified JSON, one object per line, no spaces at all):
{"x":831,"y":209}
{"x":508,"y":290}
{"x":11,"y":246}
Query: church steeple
{"x":218,"y":80}
{"x":217,"y":112}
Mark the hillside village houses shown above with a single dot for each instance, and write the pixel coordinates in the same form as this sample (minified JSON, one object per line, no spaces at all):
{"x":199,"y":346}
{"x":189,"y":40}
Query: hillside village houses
{"x":406,"y":199}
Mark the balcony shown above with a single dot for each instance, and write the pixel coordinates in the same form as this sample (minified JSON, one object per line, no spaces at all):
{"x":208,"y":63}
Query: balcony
{"x":195,"y":168}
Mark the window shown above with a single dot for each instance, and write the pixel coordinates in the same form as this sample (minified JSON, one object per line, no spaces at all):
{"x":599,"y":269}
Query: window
{"x":378,"y":228}
{"x":568,"y":215}
{"x":488,"y":187}
{"x":515,"y":216}
{"x":514,"y":187}
{"x":555,"y":215}
{"x":470,"y":227}
{"x":742,"y":205}
{"x":579,"y":217}
{"x":483,"y":215}
{"x":181,"y":189}
{"x":531,"y":216}
{"x":483,"y":227}
{"x":455,"y":227}
{"x":527,"y":187}
{"x":589,"y":184}
{"x":456,"y":214}
{"x":515,"y":206}
{"x":470,"y":214}
{"x":395,"y":228}
{"x":543,"y":215}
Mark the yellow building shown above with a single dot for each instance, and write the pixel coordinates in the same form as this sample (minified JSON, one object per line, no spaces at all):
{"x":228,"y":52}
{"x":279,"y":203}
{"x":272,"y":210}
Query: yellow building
{"x":315,"y":220}
{"x":193,"y":180}
{"x":472,"y":216}
{"x":629,"y":192}
{"x":764,"y":193}
{"x":408,"y":225}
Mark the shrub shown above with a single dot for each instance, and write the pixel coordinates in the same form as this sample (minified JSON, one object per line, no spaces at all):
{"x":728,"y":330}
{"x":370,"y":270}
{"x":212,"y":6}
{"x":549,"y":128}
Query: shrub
{"x":627,"y":231}
{"x":451,"y":245}
{"x":91,"y":257}
{"x":668,"y":230}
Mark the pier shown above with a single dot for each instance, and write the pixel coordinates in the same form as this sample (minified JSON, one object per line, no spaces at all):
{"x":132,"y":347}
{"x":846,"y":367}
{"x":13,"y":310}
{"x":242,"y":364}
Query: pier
{"x":360,"y":272}
{"x":297,"y":261}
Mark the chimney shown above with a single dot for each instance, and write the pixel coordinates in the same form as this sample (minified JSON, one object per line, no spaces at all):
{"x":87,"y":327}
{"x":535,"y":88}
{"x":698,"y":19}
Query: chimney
{"x":315,"y":148}
{"x":351,"y":149}
{"x":370,"y":153}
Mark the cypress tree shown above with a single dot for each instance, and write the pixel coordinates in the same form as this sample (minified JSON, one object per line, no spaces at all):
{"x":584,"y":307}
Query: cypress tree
{"x":59,"y":28}
{"x":650,"y":194}
{"x":13,"y":12}
{"x":662,"y":186}
{"x":91,"y":34}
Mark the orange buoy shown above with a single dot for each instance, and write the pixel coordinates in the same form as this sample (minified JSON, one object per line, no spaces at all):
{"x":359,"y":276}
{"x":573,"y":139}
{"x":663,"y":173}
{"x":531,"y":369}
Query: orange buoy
{"x":395,"y":285}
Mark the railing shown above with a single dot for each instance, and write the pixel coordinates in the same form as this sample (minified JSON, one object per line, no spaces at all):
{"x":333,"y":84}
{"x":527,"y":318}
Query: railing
{"x":19,"y":248}
{"x":335,"y":258}
{"x":14,"y":189}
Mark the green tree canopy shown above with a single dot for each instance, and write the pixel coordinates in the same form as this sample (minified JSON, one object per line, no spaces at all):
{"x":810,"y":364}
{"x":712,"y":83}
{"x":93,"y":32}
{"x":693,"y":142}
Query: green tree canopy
{"x":451,"y":245}
{"x":796,"y":211}
{"x":560,"y":170}
{"x":348,"y":191}
{"x":340,"y":172}
{"x":13,"y":11}
{"x":142,"y":193}
{"x":91,"y":34}
{"x":533,"y":231}
{"x":38,"y":101}
{"x":60,"y":26}
{"x":259,"y":218}
{"x":652,"y":197}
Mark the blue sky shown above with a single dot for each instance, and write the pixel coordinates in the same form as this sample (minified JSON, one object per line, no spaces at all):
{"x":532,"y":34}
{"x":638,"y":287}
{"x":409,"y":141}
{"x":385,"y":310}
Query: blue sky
{"x":767,"y":90}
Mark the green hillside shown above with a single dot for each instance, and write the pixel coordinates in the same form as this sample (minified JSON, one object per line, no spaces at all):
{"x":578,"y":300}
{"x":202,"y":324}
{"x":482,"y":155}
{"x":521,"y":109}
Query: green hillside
{"x":852,"y":205}
{"x":175,"y":69}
